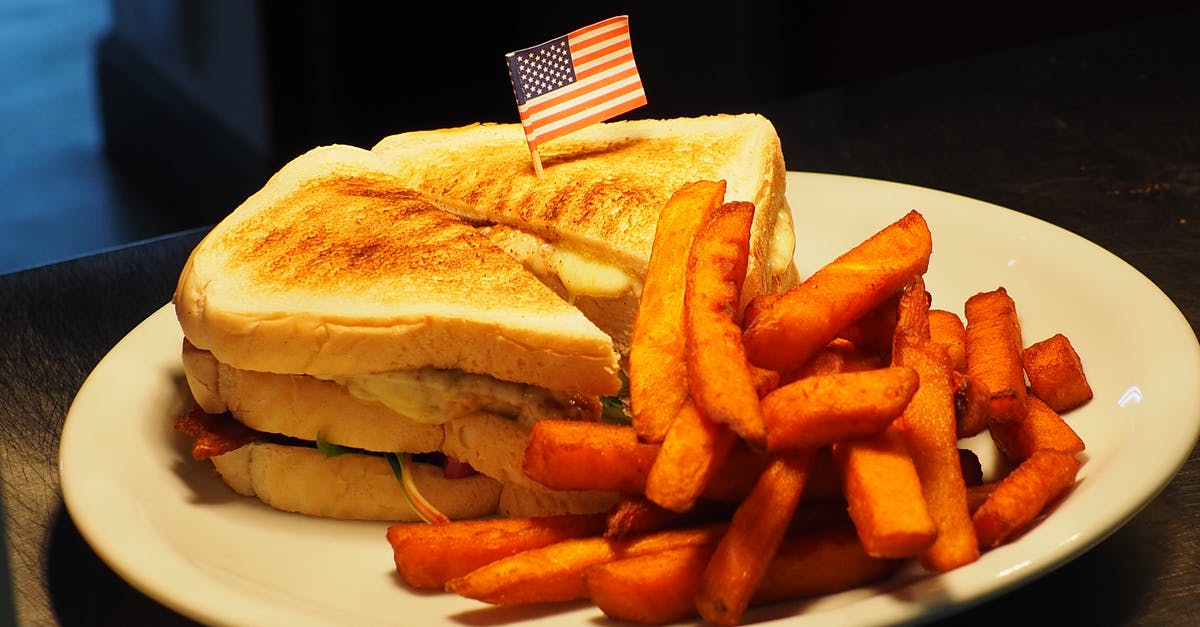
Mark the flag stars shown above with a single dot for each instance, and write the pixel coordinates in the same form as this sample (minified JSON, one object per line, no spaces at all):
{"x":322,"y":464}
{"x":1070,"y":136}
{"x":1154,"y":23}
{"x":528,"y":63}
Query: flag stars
{"x":544,"y":68}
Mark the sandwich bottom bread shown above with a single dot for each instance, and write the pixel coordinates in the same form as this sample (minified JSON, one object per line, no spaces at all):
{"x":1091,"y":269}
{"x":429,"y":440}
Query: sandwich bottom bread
{"x":470,"y":468}
{"x":355,"y":352}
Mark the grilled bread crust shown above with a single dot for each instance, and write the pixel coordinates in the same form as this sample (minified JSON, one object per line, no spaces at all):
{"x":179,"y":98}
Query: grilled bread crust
{"x":335,"y":268}
{"x":604,"y":186}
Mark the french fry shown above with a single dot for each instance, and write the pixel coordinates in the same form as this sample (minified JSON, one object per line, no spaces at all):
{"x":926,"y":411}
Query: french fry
{"x":691,"y":455}
{"x":873,"y":331}
{"x":573,"y":455}
{"x":818,"y":411}
{"x":748,"y":547}
{"x":756,"y":305}
{"x":555,"y":572}
{"x":427,"y":556}
{"x":1023,"y":494}
{"x":930,"y":431}
{"x":823,"y":562}
{"x":1043,"y":428}
{"x":657,"y":351}
{"x":883,"y":494}
{"x":652,"y":589}
{"x":912,"y":312}
{"x":840,"y":355}
{"x":765,"y":381}
{"x":823,"y":483}
{"x":636,"y":515}
{"x":578,"y":455}
{"x":735,"y":476}
{"x":972,"y":405}
{"x":994,"y":351}
{"x":1056,"y":374}
{"x":660,"y":588}
{"x":792,"y":328}
{"x":977,"y":494}
{"x":718,"y":375}
{"x":947,"y":328}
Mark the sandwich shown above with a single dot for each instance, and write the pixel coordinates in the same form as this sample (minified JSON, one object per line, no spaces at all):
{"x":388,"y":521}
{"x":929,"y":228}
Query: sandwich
{"x":337,"y":327}
{"x":587,"y":225}
{"x":372,"y":334}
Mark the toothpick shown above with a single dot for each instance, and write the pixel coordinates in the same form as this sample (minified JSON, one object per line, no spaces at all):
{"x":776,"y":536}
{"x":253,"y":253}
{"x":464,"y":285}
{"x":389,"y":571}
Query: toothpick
{"x":537,"y":161}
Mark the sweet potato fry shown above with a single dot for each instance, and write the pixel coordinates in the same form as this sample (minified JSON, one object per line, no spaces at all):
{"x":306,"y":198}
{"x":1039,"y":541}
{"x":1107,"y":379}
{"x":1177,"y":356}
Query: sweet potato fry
{"x":912,"y":311}
{"x":652,"y":589}
{"x":883,"y":494}
{"x":787,"y":332}
{"x":748,"y":547}
{"x":977,"y":494}
{"x":994,"y":351}
{"x":657,"y":351}
{"x":823,"y":483}
{"x":757,"y":305}
{"x":660,"y":588}
{"x":427,"y":556}
{"x":972,"y":405}
{"x":694,"y":450}
{"x":555,"y":572}
{"x":1043,"y":428}
{"x":1056,"y":374}
{"x":719,"y":378}
{"x":577,"y":455}
{"x":820,"y":562}
{"x":873,"y":331}
{"x":736,"y":474}
{"x":634,"y":515}
{"x":840,"y":355}
{"x":765,"y":381}
{"x":818,"y":411}
{"x":947,"y":328}
{"x":930,"y":431}
{"x":1023,"y":494}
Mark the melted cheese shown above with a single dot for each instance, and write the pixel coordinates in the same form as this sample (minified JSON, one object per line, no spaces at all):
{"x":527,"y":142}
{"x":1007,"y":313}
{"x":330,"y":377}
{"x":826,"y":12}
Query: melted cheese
{"x":436,"y":396}
{"x":783,"y":244}
{"x":579,"y":274}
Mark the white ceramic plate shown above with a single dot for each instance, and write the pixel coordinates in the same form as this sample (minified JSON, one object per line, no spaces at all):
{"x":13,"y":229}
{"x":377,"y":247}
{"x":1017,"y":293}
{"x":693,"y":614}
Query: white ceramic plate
{"x":165,"y":524}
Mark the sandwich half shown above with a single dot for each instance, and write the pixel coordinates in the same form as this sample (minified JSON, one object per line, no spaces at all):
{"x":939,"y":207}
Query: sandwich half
{"x":338,"y":326}
{"x":586,"y":227}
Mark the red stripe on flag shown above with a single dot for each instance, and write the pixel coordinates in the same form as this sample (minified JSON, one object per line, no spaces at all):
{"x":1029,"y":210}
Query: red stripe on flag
{"x":600,"y":67}
{"x":553,"y":101}
{"x":585,"y":105}
{"x":599,"y":116}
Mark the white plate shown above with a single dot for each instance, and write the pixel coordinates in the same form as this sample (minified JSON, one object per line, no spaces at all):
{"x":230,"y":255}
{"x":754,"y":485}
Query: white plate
{"x":166,"y":525}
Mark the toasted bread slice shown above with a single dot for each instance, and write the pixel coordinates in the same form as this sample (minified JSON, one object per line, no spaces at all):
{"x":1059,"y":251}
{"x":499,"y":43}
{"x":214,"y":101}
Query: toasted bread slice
{"x":597,"y":205}
{"x":351,"y":486}
{"x":334,"y":268}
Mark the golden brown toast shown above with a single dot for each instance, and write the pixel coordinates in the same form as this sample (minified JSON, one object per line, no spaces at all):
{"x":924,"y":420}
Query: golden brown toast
{"x":602,"y":190}
{"x":335,"y":269}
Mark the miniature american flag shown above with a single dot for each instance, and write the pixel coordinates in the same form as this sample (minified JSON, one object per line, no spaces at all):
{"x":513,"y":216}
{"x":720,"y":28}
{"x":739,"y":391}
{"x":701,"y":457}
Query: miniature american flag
{"x":581,"y":78}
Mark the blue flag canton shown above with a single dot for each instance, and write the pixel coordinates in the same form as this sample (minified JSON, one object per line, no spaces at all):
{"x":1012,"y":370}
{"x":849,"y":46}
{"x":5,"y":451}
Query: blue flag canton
{"x":541,"y":69}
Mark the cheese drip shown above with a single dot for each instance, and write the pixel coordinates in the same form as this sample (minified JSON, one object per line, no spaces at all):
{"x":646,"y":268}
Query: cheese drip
{"x":435,"y":396}
{"x":579,"y":274}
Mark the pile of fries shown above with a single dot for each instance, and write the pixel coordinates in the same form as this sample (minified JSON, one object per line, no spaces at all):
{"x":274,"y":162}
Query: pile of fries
{"x":805,"y":444}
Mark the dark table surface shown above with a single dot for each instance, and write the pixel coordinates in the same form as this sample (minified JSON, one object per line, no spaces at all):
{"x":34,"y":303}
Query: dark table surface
{"x":1098,"y":134}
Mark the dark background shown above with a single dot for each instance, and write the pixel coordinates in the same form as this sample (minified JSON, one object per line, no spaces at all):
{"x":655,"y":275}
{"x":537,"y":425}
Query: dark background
{"x":353,"y":72}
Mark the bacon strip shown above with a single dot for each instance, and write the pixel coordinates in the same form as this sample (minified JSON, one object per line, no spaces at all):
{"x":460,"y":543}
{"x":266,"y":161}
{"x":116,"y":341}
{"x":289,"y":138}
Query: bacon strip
{"x":214,"y":434}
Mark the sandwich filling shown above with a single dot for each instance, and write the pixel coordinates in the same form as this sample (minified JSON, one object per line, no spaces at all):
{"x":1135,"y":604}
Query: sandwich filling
{"x":436,"y":396}
{"x":580,"y":274}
